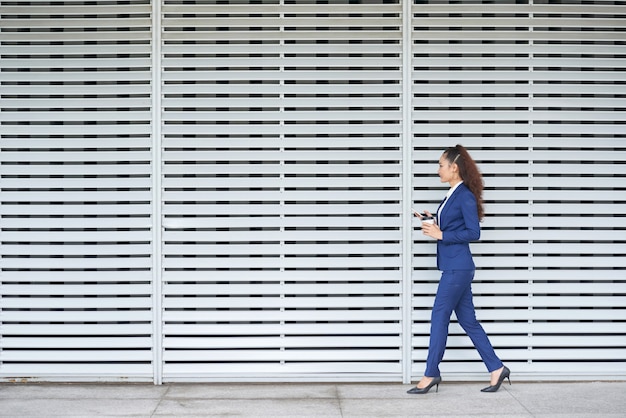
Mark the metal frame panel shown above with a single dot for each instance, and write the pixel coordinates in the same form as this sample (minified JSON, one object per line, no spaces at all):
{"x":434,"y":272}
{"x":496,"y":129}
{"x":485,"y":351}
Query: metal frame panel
{"x":76,"y":286}
{"x":292,"y":260}
{"x":528,"y":89}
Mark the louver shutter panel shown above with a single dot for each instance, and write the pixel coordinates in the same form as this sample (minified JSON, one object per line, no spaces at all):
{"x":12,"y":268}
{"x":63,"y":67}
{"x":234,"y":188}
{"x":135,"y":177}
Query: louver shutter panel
{"x":76,"y":281}
{"x":281,"y":202}
{"x":537,"y":94}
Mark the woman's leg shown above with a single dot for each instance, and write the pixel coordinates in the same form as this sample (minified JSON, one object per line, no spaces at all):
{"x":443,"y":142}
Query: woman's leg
{"x":466,"y":315}
{"x":452,"y":286}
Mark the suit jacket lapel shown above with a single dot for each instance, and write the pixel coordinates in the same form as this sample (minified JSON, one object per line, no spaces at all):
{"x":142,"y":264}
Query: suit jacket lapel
{"x":447,"y":206}
{"x":439,"y":210}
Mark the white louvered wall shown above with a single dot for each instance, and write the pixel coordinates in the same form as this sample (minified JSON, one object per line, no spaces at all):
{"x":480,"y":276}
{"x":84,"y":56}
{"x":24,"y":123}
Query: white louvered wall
{"x":537,"y":93}
{"x":214,"y":190}
{"x":282,"y":190}
{"x":76,"y":201}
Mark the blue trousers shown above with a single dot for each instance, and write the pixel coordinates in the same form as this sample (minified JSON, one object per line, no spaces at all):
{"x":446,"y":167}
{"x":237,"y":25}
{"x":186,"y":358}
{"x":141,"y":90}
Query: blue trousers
{"x":455,"y":294}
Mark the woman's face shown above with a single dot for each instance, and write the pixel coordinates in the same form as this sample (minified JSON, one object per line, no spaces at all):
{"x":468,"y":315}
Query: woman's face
{"x":446,"y":170}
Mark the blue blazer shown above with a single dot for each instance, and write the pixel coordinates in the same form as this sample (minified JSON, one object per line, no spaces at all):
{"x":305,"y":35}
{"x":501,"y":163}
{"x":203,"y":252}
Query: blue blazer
{"x":460,"y":225}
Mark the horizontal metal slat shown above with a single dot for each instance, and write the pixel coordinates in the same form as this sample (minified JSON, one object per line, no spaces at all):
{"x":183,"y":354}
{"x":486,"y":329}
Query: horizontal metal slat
{"x":77,"y":236}
{"x":273,"y":275}
{"x":77,"y":156}
{"x":513,"y":35}
{"x":76,"y":76}
{"x":267,"y":289}
{"x":67,"y":290}
{"x":552,"y":314}
{"x":76,"y":302}
{"x":69,"y":22}
{"x":41,"y":8}
{"x":272,"y":75}
{"x":79,"y":36}
{"x":70,"y":316}
{"x":284,"y":21}
{"x":312,"y":143}
{"x":590,"y":261}
{"x":38,"y":90}
{"x":278,"y":370}
{"x":241,"y":249}
{"x":76,"y":64}
{"x":335,"y":182}
{"x":561,"y":341}
{"x":372,"y":221}
{"x":378,"y":355}
{"x":246,"y":195}
{"x":89,"y":343}
{"x":280,"y":114}
{"x":503,"y":22}
{"x":33,"y":276}
{"x":279,"y":302}
{"x":73,"y":356}
{"x":283,"y":322}
{"x":77,"y":196}
{"x":502,"y":330}
{"x":137,"y":262}
{"x":78,"y":116}
{"x":273,"y":102}
{"x":271,"y":208}
{"x":274,"y":167}
{"x":75,"y":208}
{"x":118,"y":222}
{"x":330,"y":328}
{"x":286,"y":342}
{"x":277,"y":35}
{"x":65,"y":102}
{"x":78,"y":332}
{"x":277,"y":235}
{"x":255,"y":8}
{"x":71,"y":371}
{"x":340,"y":262}
{"x":312,"y":128}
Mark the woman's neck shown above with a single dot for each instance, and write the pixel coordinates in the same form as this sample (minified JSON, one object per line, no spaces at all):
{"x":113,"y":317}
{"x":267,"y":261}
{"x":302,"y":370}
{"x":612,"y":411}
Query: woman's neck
{"x":454,"y":182}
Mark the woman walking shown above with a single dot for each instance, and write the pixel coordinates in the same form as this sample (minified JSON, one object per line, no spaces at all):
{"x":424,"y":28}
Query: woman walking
{"x":457,"y":224}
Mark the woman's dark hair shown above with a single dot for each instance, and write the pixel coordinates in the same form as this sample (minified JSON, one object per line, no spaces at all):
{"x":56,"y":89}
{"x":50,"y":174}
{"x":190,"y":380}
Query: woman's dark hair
{"x":469,"y":172}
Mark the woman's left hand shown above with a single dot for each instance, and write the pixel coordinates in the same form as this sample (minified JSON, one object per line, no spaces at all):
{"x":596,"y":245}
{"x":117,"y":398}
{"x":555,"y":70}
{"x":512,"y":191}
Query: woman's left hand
{"x":432,"y":230}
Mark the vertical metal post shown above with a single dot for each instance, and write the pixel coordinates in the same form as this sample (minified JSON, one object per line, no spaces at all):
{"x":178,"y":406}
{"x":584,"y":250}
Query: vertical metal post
{"x":157,"y":288}
{"x":407,"y":188}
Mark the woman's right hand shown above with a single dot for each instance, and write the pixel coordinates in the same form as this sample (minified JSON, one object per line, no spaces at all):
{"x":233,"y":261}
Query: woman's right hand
{"x":419,"y":215}
{"x":428,"y":214}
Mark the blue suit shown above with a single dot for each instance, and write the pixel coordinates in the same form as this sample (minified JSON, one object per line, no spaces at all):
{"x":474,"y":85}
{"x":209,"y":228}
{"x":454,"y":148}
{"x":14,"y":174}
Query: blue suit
{"x":459,"y":223}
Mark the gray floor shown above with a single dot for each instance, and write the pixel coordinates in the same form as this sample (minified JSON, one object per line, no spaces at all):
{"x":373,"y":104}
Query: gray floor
{"x":584,"y":399}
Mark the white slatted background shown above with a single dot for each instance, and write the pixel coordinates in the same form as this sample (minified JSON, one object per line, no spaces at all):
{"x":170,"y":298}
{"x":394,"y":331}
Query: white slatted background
{"x":281,"y":186}
{"x":282,"y":190}
{"x":75,"y":155}
{"x":538,"y":94}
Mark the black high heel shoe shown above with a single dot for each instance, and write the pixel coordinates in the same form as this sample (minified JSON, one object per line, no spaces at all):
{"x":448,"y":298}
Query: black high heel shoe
{"x":419,"y":391}
{"x":504,"y":374}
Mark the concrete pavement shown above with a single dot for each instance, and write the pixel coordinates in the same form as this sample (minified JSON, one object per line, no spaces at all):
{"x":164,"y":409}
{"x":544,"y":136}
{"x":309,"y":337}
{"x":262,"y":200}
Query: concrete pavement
{"x":462,"y":399}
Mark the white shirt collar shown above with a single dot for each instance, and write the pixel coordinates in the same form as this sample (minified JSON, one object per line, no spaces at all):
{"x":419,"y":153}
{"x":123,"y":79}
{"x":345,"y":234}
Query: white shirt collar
{"x":453,"y":188}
